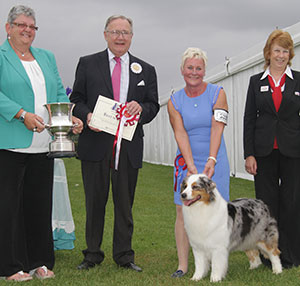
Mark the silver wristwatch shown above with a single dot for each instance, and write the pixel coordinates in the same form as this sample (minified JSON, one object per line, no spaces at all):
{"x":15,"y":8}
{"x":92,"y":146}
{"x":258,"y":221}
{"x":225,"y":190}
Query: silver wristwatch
{"x":22,"y":116}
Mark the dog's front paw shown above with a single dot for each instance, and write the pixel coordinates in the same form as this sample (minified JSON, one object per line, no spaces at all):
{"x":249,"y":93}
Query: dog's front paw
{"x":277,"y":269}
{"x":215,"y":278}
{"x":196,"y":277}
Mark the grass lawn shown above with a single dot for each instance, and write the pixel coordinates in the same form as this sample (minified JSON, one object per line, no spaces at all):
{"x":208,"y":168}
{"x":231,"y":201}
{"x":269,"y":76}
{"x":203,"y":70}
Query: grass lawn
{"x":153,"y":240}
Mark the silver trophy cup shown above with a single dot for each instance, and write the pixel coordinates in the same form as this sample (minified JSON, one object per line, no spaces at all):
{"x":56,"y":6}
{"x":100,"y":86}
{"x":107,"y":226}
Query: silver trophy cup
{"x":59,"y":126}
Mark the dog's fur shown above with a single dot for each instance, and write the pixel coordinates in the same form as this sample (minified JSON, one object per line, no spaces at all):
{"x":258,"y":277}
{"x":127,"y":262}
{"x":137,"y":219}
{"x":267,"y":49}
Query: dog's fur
{"x":215,"y":227}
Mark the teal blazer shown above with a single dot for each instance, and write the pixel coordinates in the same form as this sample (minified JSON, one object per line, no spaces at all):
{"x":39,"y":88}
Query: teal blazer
{"x":16,"y":93}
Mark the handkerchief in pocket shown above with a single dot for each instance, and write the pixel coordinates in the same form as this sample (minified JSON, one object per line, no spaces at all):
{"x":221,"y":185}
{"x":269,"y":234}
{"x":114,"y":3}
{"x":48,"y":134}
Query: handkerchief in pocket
{"x":141,"y":83}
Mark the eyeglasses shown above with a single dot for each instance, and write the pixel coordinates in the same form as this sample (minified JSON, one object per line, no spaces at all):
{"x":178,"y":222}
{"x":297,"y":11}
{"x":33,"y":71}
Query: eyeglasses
{"x":117,"y":33}
{"x":24,"y":26}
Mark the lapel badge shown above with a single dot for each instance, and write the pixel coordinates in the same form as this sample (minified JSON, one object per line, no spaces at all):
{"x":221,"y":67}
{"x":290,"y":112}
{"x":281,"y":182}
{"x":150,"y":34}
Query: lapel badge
{"x":136,"y":68}
{"x":297,"y":93}
{"x":264,"y":88}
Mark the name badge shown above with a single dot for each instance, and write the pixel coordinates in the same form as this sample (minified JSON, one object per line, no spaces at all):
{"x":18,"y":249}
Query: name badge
{"x":264,"y":88}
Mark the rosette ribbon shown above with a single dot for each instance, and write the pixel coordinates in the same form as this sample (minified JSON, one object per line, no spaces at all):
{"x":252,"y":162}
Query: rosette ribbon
{"x":180,"y":166}
{"x":125,"y":119}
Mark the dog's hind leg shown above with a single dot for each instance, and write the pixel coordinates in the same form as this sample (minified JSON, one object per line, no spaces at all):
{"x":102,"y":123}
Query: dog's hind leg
{"x":219,"y":264}
{"x":273,"y":253}
{"x":201,"y":265}
{"x":254,"y":259}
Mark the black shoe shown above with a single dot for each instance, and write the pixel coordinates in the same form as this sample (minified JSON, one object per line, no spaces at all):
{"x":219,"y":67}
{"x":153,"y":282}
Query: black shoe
{"x":86,"y":265}
{"x":132,"y":266}
{"x":178,"y":274}
{"x":287,"y":265}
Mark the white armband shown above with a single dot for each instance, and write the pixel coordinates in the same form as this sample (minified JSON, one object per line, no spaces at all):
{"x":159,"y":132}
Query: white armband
{"x":221,"y":115}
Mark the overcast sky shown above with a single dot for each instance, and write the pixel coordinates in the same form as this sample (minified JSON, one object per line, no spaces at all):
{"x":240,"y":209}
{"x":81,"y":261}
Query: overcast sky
{"x":163,"y":29}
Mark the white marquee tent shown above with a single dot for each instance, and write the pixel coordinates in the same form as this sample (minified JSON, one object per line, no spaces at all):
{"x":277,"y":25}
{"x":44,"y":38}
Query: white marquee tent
{"x":233,"y":75}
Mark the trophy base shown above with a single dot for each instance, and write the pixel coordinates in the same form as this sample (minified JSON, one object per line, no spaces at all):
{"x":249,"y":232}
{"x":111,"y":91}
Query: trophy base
{"x":61,"y":147}
{"x":61,"y":154}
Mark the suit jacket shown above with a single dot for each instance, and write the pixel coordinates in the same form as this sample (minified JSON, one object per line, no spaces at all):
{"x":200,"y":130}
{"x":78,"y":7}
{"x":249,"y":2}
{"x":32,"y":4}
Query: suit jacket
{"x":262,"y":123}
{"x":16,"y":93}
{"x":93,"y":78}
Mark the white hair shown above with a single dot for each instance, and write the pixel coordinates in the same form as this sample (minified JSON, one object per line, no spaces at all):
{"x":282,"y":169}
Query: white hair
{"x":193,"y":53}
{"x":20,"y":10}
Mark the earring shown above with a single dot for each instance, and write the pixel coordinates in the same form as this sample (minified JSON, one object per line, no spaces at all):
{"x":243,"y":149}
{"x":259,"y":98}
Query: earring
{"x":8,"y":37}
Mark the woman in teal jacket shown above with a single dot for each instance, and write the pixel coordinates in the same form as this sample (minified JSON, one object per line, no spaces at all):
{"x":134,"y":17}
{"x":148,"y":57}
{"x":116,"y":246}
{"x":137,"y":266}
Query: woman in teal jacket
{"x":28,"y":79}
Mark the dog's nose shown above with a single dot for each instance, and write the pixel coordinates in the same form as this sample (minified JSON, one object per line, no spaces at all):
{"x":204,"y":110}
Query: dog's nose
{"x":183,"y":195}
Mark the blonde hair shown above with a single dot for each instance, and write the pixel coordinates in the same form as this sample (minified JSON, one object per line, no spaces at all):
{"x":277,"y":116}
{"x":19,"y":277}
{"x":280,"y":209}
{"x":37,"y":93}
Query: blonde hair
{"x":193,"y":53}
{"x":281,"y":38}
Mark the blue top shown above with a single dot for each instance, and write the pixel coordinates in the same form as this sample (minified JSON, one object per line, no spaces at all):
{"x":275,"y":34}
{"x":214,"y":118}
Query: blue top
{"x":196,"y":113}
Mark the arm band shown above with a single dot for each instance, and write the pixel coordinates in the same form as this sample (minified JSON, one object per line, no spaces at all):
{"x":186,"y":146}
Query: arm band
{"x":221,"y":115}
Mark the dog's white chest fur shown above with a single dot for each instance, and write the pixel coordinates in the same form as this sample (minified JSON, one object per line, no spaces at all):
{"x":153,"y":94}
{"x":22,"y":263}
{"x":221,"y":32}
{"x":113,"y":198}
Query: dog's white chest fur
{"x":207,"y":228}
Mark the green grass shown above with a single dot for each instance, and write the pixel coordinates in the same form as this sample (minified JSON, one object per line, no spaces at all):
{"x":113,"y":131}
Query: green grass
{"x":153,"y":240}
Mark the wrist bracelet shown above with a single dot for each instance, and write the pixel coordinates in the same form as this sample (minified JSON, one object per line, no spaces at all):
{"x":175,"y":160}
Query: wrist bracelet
{"x":212,"y":158}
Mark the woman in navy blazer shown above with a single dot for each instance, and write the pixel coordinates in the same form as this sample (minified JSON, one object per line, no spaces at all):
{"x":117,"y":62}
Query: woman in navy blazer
{"x":272,"y":141}
{"x":28,"y":79}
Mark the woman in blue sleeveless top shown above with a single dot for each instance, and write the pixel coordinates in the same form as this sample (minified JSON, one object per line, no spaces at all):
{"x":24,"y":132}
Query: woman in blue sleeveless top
{"x":198,"y":115}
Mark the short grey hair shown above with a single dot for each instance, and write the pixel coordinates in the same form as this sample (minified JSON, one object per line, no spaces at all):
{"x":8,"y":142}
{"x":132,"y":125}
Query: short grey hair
{"x":193,"y":53}
{"x":18,"y":10}
{"x":115,"y":17}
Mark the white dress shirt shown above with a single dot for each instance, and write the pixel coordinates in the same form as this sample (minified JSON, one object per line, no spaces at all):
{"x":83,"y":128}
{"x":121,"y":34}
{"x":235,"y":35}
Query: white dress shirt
{"x":288,"y":72}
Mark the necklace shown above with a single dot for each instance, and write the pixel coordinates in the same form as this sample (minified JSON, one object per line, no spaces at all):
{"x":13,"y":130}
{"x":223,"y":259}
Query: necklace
{"x":189,"y":95}
{"x":22,"y":53}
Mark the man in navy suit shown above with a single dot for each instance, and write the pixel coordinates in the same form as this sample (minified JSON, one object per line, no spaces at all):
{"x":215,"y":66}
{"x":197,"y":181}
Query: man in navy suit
{"x":138,"y":88}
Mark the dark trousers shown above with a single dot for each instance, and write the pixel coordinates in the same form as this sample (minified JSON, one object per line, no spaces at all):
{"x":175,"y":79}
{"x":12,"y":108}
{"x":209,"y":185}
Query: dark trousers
{"x":96,"y":178}
{"x":277,"y":183}
{"x":26,"y":241}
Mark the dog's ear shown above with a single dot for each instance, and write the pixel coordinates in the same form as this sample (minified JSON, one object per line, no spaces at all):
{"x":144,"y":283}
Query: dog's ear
{"x":209,"y":185}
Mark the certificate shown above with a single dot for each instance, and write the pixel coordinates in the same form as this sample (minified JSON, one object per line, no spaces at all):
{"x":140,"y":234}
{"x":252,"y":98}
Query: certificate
{"x":105,"y":118}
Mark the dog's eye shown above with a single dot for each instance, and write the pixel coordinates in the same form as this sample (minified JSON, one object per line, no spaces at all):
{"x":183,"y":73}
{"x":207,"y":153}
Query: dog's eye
{"x":183,"y":186}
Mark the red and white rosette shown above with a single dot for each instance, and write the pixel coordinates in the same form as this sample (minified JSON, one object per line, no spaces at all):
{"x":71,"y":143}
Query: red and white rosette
{"x":124,"y":119}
